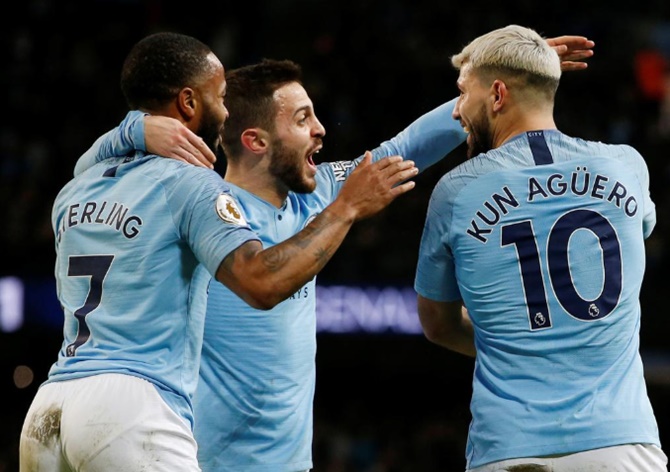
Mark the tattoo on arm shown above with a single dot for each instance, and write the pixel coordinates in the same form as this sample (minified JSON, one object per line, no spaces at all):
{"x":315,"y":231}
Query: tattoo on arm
{"x":276,"y":257}
{"x":303,"y":239}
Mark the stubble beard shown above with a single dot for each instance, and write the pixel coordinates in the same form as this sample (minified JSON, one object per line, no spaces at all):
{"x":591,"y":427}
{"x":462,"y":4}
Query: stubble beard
{"x":211,"y":130}
{"x":482,"y":137}
{"x":286,"y":167}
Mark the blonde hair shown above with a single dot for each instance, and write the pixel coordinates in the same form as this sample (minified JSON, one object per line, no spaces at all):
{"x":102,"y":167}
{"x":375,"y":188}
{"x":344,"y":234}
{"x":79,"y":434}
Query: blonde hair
{"x":511,"y":49}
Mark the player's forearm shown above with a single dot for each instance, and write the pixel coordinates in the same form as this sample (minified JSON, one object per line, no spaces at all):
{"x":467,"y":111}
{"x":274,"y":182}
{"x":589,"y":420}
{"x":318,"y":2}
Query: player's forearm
{"x":461,"y":341}
{"x":264,"y":278}
{"x":447,"y":324}
{"x":458,"y":339}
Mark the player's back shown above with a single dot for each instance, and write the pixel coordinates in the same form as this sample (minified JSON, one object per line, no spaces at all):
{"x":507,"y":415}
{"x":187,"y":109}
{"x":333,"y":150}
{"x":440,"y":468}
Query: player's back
{"x":547,"y":234}
{"x":127,"y":281}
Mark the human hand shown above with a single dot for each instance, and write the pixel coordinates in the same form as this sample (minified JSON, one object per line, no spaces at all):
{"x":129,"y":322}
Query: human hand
{"x":372,"y":186}
{"x":168,"y":137}
{"x":572,"y":50}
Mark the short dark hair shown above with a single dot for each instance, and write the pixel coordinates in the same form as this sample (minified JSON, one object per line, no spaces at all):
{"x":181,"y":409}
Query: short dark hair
{"x":159,"y":66}
{"x":249,"y":98}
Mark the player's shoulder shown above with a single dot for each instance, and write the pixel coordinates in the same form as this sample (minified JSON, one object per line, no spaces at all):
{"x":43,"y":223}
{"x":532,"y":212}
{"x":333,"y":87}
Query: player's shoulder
{"x":624,"y":155}
{"x":173,"y":172}
{"x":616,"y":150}
{"x":475,"y":167}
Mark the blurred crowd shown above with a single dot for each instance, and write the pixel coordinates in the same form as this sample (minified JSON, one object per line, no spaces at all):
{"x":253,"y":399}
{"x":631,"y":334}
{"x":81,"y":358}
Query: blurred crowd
{"x":371,"y":67}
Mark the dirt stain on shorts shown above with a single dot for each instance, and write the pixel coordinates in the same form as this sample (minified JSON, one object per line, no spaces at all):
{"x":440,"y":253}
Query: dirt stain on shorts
{"x":45,"y":426}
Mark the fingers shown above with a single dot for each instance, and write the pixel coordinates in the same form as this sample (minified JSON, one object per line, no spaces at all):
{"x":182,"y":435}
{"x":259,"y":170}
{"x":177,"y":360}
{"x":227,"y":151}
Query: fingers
{"x":367,"y":159}
{"x":560,"y":49}
{"x":576,"y":54}
{"x":573,"y":59}
{"x":189,"y":155}
{"x":402,"y":188}
{"x":194,"y":151}
{"x":571,"y":41}
{"x":562,"y":39}
{"x":567,"y":66}
{"x":402,"y":171}
{"x":168,"y":137}
{"x":374,"y":185}
{"x":396,"y":169}
{"x":397,"y":172}
{"x":572,"y":50}
{"x":203,"y":153}
{"x":387,"y":162}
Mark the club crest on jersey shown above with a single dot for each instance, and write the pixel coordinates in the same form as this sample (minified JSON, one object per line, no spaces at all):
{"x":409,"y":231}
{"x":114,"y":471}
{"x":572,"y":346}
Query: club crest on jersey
{"x":228,"y":211}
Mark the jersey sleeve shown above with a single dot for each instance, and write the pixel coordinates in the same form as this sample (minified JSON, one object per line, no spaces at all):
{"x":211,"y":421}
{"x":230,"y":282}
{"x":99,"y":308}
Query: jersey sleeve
{"x":122,"y":140}
{"x":427,"y":139}
{"x":649,"y":208}
{"x":435,"y":277}
{"x":208,"y":216}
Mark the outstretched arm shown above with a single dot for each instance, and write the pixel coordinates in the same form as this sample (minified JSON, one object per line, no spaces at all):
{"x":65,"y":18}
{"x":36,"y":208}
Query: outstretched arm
{"x":427,"y":139}
{"x":435,"y":134}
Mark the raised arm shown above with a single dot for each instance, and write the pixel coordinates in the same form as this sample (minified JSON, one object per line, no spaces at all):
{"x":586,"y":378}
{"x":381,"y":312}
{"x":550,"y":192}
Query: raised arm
{"x":159,"y":135}
{"x":427,"y":139}
{"x":120,"y":141}
{"x":434,"y":135}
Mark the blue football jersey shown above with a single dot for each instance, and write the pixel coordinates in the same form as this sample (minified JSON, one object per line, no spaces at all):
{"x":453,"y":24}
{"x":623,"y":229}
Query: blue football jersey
{"x":254,"y":402}
{"x":137,"y":242}
{"x":543,"y":241}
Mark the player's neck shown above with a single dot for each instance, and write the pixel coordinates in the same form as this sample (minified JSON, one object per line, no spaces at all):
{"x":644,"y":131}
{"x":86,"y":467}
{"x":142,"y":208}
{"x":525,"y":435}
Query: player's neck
{"x":259,"y":182}
{"x":512,"y":127}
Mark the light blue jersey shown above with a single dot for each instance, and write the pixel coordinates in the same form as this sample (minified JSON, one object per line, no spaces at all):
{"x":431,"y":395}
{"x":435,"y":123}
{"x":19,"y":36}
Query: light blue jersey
{"x":136,"y":242}
{"x":254,"y":402}
{"x":543,"y":240}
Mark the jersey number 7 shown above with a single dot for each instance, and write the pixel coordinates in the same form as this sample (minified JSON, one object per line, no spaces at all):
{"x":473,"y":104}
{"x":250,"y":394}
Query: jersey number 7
{"x":96,"y":267}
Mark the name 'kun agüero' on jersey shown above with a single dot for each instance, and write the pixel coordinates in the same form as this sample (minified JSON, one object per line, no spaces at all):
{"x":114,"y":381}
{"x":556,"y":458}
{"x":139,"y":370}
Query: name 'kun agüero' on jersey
{"x":114,"y":215}
{"x":580,"y":183}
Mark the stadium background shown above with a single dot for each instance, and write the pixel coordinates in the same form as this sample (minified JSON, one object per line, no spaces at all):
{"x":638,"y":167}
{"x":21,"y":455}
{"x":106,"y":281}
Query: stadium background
{"x":385,"y":401}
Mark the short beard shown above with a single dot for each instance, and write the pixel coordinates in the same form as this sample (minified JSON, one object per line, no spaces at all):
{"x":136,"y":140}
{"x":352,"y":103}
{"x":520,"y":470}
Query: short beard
{"x":210,"y":131}
{"x":286,"y":168}
{"x":482,"y":138}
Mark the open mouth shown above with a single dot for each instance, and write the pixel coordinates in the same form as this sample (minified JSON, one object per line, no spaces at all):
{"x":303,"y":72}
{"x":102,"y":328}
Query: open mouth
{"x":310,"y":158}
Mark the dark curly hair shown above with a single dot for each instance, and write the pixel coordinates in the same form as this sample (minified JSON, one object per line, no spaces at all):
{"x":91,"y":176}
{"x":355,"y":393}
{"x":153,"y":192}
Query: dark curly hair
{"x":159,"y":66}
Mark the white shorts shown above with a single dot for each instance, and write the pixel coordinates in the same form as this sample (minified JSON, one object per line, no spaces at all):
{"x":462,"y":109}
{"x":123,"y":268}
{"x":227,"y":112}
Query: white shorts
{"x":106,"y":422}
{"x":624,"y":458}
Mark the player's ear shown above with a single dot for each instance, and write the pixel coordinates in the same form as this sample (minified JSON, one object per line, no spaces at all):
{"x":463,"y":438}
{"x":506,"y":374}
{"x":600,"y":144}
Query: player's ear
{"x":254,"y":139}
{"x":498,"y":94}
{"x":186,"y":103}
